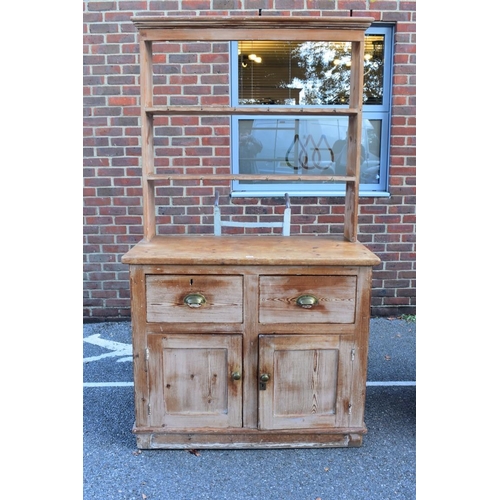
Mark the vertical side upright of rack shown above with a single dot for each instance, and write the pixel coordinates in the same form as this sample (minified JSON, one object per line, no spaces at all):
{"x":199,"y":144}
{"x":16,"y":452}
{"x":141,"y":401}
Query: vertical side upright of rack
{"x":354,"y":142}
{"x":147,"y":135}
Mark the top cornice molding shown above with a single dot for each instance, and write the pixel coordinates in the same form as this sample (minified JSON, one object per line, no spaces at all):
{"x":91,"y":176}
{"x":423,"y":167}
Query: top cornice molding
{"x":252,"y":22}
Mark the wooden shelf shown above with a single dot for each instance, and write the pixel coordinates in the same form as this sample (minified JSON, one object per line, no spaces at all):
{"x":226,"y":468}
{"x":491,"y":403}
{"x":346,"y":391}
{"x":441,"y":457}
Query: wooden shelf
{"x":250,"y":177}
{"x":249,"y":110}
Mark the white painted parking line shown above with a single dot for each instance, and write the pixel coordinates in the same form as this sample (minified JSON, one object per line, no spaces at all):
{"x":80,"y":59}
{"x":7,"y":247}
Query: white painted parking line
{"x":392,"y":383}
{"x":118,"y":349}
{"x":124,"y":353}
{"x":108,"y":384}
{"x":404,"y":383}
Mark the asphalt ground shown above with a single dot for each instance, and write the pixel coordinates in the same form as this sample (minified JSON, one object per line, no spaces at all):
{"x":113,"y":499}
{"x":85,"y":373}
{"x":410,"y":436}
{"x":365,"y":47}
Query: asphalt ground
{"x":383,"y":468}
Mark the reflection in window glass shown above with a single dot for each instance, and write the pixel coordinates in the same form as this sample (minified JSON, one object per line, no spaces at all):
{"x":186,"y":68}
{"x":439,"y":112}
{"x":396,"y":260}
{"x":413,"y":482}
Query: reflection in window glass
{"x":305,"y":146}
{"x":306,"y":73}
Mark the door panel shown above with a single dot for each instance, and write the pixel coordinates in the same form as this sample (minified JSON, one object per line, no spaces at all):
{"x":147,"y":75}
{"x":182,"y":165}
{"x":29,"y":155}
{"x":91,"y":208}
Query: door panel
{"x":307,"y":384}
{"x":307,"y":380}
{"x":191,"y":380}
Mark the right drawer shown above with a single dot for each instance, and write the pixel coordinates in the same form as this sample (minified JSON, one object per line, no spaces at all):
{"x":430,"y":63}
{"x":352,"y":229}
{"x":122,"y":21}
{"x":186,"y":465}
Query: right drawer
{"x":307,"y":299}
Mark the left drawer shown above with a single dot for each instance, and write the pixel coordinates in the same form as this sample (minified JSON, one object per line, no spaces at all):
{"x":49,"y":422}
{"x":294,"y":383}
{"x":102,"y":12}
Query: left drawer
{"x":194,"y":299}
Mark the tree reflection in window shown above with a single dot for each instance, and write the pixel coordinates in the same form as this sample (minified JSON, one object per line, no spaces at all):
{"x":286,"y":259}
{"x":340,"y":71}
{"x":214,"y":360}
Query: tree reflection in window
{"x":308,"y":73}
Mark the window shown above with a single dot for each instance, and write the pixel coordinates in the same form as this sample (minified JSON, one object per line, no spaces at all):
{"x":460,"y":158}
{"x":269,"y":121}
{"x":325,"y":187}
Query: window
{"x":312,"y":74}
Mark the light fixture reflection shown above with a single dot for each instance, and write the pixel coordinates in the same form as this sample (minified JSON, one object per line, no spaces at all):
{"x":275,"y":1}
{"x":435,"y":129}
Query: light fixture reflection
{"x":252,"y":57}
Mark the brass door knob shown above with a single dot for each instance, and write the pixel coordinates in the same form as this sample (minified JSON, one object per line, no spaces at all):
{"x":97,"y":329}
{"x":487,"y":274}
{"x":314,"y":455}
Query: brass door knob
{"x":236,"y":376}
{"x":265,"y":377}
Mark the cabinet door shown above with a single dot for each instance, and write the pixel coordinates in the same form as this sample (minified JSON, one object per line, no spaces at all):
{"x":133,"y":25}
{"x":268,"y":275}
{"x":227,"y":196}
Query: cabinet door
{"x":307,"y":384}
{"x":195,"y":380}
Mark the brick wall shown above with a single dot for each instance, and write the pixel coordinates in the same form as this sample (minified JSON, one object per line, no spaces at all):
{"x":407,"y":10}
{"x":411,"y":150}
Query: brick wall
{"x":111,"y":152}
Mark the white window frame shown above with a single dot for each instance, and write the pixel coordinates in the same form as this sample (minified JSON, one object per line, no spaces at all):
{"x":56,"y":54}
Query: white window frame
{"x":370,"y":111}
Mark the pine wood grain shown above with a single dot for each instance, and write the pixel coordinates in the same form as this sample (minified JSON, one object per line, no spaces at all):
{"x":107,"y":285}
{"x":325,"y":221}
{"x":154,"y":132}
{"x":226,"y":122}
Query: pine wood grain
{"x":165,"y":297}
{"x":335,"y":299}
{"x":191,"y":382}
{"x":251,"y":250}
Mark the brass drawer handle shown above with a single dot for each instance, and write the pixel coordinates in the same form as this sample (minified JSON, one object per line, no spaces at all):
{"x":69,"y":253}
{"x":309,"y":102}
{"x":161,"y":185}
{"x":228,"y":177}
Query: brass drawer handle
{"x":236,"y":375}
{"x":194,"y":299}
{"x":307,"y":301}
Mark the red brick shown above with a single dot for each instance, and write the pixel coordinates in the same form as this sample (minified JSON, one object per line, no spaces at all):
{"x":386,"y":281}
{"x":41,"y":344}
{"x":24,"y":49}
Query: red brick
{"x":122,"y":101}
{"x":111,"y":93}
